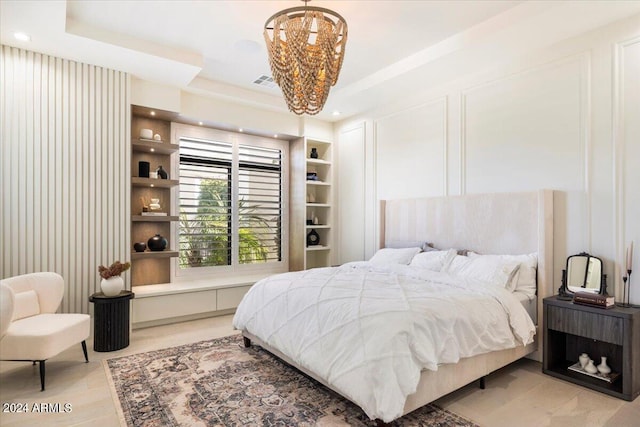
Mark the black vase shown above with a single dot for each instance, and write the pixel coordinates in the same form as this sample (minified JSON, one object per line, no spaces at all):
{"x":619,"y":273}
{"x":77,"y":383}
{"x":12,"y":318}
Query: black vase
{"x":162,"y":174}
{"x":314,"y":153}
{"x":313,"y":238}
{"x":140,"y":246}
{"x":157,"y":243}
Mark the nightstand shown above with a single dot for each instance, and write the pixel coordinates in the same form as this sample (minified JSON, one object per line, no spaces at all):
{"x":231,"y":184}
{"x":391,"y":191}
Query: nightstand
{"x":572,"y":329}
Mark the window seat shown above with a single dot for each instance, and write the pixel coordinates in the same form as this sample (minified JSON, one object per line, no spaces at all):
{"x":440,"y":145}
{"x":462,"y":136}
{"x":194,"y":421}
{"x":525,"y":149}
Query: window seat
{"x":165,"y":303}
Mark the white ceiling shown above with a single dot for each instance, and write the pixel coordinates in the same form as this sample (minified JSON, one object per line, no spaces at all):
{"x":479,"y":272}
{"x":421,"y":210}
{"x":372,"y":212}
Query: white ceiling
{"x":216,"y":47}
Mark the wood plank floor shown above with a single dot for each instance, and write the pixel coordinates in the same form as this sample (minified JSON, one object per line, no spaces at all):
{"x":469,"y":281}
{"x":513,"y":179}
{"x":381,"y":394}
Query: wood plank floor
{"x":518,"y":395}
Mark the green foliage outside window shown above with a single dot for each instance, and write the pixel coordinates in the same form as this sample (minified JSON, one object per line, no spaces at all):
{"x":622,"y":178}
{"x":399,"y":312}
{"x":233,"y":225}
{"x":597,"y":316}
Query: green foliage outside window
{"x":205,"y":236}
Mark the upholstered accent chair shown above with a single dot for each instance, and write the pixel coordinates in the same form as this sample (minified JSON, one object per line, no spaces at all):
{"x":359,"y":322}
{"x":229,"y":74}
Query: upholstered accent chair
{"x":30,"y":328}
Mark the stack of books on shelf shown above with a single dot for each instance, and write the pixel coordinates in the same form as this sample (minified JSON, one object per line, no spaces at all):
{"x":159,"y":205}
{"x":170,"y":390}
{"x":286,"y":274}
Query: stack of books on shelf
{"x":594,"y":300}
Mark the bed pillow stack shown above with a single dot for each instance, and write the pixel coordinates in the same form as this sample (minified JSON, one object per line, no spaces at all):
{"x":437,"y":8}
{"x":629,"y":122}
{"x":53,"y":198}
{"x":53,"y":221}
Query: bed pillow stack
{"x":524,"y":279}
{"x":493,"y":270}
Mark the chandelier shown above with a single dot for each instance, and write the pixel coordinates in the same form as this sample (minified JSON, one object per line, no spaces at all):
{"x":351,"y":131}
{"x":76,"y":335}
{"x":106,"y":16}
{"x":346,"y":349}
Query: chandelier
{"x":306,"y":47}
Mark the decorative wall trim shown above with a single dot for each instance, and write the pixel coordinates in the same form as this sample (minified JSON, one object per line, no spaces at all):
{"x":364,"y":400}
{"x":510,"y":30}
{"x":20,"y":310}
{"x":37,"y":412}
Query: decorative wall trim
{"x":585,"y":123}
{"x":64,"y":169}
{"x":443,"y":100}
{"x":619,"y":142}
{"x":361,"y":126}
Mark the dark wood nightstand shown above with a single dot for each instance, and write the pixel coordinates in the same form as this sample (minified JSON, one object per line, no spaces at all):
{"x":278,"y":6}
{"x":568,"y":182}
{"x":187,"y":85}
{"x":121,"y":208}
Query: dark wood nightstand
{"x":572,"y":329}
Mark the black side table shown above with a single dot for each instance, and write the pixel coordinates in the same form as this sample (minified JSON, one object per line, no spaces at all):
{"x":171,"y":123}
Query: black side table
{"x":111,"y":321}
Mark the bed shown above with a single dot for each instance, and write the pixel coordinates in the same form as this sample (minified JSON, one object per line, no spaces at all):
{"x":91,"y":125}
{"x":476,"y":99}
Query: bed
{"x":505,"y":223}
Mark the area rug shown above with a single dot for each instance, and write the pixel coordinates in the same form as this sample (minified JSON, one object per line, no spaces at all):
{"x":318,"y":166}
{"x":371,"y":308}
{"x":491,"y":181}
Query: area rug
{"x":221,"y":383}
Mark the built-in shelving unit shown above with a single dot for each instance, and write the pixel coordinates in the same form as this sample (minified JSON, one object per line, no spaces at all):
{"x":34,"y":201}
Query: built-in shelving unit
{"x":151,"y":267}
{"x":311,"y":203}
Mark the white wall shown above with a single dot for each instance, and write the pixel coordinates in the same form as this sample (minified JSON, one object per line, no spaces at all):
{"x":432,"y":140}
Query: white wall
{"x":546,"y":119}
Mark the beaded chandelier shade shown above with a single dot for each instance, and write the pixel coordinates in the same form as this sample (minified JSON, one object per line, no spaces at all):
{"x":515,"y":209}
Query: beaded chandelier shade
{"x":306,"y":48}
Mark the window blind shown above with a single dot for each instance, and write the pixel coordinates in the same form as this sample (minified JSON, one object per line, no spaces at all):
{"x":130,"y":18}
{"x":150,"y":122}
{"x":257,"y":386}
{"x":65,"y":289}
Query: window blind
{"x":223,"y":222}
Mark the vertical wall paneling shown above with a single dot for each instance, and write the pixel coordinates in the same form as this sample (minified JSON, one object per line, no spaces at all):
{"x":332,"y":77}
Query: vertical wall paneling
{"x":351,"y":202}
{"x":626,"y":138}
{"x":64,"y":169}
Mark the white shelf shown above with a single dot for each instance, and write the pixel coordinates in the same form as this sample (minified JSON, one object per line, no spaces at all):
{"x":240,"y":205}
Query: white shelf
{"x":318,"y":226}
{"x":318,"y":248}
{"x":318,"y":162}
{"x":318,"y":205}
{"x":311,"y":182}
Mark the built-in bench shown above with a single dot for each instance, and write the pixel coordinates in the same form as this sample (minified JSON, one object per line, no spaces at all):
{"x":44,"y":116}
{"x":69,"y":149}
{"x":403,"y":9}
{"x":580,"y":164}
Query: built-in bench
{"x":178,"y":302}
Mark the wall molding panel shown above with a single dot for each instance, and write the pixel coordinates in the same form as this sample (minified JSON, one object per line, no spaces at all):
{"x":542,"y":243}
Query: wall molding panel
{"x":419,"y":137}
{"x":64,"y":170}
{"x":532,"y":130}
{"x":352,"y":193}
{"x":626,"y":158}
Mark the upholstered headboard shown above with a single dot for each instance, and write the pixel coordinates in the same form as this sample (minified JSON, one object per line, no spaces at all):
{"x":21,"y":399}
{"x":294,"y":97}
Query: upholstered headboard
{"x":498,"y":223}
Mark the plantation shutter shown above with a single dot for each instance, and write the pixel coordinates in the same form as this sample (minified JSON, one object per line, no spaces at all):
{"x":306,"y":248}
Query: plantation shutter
{"x":205,"y":203}
{"x":208,"y":216}
{"x":259,"y":204}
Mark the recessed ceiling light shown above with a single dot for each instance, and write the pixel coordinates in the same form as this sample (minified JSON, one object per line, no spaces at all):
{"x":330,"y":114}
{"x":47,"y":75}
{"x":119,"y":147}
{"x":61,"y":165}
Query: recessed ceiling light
{"x":23,"y":37}
{"x":240,"y":130}
{"x":153,"y":149}
{"x":200,"y":123}
{"x":275,"y":136}
{"x":153,"y":113}
{"x":336,"y":113}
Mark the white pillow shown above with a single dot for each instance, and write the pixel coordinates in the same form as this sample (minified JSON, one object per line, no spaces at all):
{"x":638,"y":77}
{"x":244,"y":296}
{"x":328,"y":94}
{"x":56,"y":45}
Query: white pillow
{"x":491,"y":270}
{"x":525,"y":278}
{"x":433,"y":260}
{"x":394,"y":256}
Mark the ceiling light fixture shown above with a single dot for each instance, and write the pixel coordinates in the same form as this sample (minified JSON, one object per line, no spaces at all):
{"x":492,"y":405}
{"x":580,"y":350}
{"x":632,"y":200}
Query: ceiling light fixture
{"x":306,"y":48}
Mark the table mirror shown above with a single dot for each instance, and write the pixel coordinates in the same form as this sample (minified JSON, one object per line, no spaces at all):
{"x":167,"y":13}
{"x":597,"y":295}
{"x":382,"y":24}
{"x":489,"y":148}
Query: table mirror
{"x":584,"y":273}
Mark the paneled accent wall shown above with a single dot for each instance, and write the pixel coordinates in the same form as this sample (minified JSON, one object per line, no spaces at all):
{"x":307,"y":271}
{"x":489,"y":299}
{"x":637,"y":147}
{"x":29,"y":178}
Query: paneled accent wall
{"x":351,"y":196}
{"x":531,"y":131}
{"x":564,"y":117}
{"x":411,"y":152}
{"x":64,"y":170}
{"x":627,"y":146}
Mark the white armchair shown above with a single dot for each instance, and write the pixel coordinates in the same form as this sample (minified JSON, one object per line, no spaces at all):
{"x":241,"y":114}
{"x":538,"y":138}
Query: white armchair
{"x":30,"y":328}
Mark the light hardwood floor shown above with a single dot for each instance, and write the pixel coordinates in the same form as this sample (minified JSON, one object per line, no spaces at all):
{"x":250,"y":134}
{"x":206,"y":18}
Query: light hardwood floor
{"x":518,"y":395}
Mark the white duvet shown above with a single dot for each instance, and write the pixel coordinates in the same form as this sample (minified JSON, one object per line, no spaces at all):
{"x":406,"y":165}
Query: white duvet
{"x":368,"y":330}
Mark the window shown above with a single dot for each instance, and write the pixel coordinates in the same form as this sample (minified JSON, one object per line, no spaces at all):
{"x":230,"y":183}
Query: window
{"x":232,"y":202}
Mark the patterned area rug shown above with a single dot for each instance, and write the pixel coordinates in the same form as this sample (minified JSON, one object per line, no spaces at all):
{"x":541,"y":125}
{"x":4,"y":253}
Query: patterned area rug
{"x":221,"y":383}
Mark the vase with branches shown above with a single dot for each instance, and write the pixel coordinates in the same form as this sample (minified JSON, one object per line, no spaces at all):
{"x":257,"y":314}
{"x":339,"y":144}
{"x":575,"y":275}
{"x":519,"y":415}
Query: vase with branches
{"x":112,"y":283}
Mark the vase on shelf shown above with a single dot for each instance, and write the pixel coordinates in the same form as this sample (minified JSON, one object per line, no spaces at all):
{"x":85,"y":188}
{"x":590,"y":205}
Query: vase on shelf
{"x":112,"y":286}
{"x":584,"y":359}
{"x":140,"y":246}
{"x":590,"y":367}
{"x":313,"y":238}
{"x":162,"y":174}
{"x":314,"y":153}
{"x":157,"y":243}
{"x":603,"y":368}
